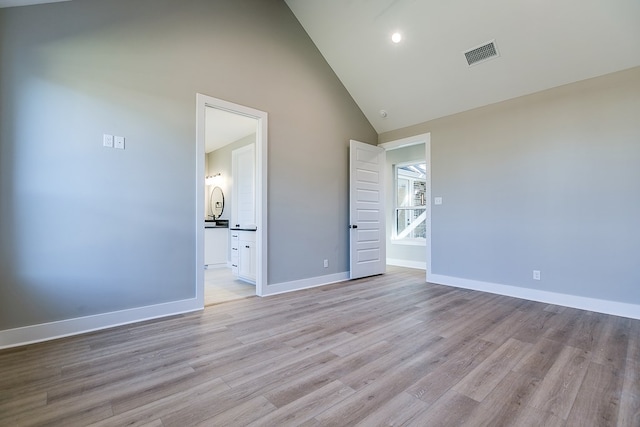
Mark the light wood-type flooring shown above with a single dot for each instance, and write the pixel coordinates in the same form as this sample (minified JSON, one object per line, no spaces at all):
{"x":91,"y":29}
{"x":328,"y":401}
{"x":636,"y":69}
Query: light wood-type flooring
{"x":387,"y":350}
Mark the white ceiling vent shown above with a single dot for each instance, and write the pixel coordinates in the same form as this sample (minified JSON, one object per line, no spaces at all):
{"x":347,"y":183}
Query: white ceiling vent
{"x":481,"y":53}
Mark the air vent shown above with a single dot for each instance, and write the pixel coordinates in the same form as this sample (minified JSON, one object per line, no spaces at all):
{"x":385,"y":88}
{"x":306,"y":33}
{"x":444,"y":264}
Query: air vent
{"x":482,"y":53}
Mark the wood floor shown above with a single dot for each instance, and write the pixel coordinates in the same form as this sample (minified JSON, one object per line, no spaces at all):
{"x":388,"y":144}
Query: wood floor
{"x":389,"y":350}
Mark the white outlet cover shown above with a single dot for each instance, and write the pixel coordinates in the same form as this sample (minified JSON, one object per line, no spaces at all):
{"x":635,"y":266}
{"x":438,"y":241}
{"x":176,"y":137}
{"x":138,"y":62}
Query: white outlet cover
{"x":119,"y":142}
{"x":107,"y":140}
{"x":437,"y":200}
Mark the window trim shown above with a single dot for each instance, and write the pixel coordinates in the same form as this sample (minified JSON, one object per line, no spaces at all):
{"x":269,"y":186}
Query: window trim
{"x":412,"y":241}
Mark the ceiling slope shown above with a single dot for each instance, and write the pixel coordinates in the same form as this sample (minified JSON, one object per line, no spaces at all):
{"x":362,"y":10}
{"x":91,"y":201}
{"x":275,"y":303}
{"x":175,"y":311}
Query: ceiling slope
{"x":541,"y":44}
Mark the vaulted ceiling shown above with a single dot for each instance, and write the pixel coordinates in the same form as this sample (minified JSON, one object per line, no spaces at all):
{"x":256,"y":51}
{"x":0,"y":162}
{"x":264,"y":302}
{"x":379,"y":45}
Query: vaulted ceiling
{"x":541,"y":44}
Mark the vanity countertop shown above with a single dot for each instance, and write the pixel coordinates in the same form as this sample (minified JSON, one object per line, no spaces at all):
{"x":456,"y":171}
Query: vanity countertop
{"x":209,"y":223}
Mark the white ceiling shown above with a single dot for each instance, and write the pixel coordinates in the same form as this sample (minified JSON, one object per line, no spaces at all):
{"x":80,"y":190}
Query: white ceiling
{"x":542,"y":44}
{"x":222,"y":128}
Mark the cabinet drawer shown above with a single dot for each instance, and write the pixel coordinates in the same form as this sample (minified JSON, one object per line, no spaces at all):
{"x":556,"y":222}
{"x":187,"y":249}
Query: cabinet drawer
{"x":234,"y":243}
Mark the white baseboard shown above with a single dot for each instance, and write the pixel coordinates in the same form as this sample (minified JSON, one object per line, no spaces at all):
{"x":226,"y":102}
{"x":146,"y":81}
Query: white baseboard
{"x":63,"y":328}
{"x":421,"y":265}
{"x":53,"y":330}
{"x":615,"y":308}
{"x":312,"y":282}
{"x":216,"y":266}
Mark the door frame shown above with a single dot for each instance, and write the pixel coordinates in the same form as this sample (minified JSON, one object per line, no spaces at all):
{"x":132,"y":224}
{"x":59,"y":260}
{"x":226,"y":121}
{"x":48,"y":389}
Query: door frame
{"x":202,"y":102}
{"x":424,"y":138}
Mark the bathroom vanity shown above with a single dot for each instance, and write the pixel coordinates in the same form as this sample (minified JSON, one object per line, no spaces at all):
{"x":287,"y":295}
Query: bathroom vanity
{"x":243,"y":253}
{"x":216,"y":241}
{"x":216,"y":232}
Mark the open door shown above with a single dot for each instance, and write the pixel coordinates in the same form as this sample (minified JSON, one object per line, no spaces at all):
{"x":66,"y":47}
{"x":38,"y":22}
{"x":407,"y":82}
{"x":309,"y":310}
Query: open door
{"x":366,"y":210}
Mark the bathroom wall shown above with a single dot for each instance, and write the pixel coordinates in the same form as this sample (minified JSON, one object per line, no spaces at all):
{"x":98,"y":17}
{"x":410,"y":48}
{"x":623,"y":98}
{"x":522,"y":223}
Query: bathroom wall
{"x":219,"y":161}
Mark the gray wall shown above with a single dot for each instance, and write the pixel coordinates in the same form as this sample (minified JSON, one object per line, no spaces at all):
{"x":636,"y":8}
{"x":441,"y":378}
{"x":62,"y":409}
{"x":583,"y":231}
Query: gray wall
{"x":219,"y":161}
{"x":398,"y":251}
{"x":86,"y":229}
{"x":549,"y":181}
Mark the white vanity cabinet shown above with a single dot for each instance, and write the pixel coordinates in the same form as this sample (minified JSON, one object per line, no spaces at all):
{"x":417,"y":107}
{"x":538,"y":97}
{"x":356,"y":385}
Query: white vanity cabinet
{"x":247,"y":256}
{"x":215,"y":247}
{"x":243,"y":254}
{"x":234,"y":239}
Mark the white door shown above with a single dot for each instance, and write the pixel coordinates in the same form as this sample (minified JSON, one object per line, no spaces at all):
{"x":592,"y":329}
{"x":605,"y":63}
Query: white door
{"x":366,"y":210}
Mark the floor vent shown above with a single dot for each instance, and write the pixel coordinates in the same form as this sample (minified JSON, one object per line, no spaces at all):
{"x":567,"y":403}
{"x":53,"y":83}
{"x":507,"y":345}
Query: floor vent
{"x":481,"y":53}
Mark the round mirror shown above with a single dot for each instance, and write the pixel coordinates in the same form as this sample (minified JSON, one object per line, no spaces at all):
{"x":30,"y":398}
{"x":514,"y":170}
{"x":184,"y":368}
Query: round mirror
{"x":216,"y":202}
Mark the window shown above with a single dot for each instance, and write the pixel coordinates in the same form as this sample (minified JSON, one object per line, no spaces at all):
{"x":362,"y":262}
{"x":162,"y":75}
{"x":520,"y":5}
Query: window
{"x":410,"y":210}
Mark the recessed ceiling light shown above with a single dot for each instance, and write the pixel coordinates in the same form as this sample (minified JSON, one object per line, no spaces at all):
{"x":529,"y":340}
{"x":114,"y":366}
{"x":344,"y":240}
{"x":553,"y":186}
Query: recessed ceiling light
{"x":396,"y":37}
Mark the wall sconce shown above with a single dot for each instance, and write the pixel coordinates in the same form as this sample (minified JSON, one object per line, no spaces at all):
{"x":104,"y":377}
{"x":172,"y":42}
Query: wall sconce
{"x":214,"y":179}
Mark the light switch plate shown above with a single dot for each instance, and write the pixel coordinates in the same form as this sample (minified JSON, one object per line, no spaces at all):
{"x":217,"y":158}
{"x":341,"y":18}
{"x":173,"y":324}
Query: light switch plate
{"x":437,"y":200}
{"x":119,"y":142}
{"x":107,"y":140}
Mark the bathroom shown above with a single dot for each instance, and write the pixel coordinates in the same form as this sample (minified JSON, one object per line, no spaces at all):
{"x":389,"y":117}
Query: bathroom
{"x":229,"y":203}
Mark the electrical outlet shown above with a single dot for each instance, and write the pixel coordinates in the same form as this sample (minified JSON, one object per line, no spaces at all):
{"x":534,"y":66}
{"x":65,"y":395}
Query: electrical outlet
{"x":326,"y":263}
{"x":119,"y":142}
{"x":536,"y":274}
{"x":437,"y":200}
{"x":107,"y":140}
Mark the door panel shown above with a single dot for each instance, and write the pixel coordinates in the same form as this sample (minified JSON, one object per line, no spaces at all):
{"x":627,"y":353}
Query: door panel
{"x":366,"y":210}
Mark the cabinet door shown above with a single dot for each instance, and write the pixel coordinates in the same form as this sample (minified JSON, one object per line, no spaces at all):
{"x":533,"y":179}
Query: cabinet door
{"x":247,"y":261}
{"x":209,"y":246}
{"x":244,"y":260}
{"x":215,"y":247}
{"x":247,"y":256}
{"x":252,"y":266}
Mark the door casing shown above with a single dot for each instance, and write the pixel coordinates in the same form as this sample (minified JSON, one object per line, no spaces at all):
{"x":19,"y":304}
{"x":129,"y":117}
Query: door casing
{"x":202,"y":102}
{"x":425,"y":139}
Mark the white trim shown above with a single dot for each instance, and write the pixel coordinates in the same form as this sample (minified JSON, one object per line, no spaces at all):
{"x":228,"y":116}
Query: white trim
{"x":312,"y":282}
{"x":80,"y":325}
{"x":215,"y":266}
{"x":408,"y":242}
{"x":423,"y":138}
{"x":199,"y":173}
{"x":203,"y":101}
{"x":420,"y":265}
{"x":395,"y":237}
{"x":583,"y":303}
{"x":427,"y":158}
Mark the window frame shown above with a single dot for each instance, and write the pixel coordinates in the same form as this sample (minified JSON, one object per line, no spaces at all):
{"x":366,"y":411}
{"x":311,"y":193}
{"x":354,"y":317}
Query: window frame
{"x":415,"y":241}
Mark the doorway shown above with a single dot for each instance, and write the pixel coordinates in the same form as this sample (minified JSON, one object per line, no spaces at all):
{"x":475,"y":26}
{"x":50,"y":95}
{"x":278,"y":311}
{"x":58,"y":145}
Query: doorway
{"x":408,"y":233}
{"x":219,"y":124}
